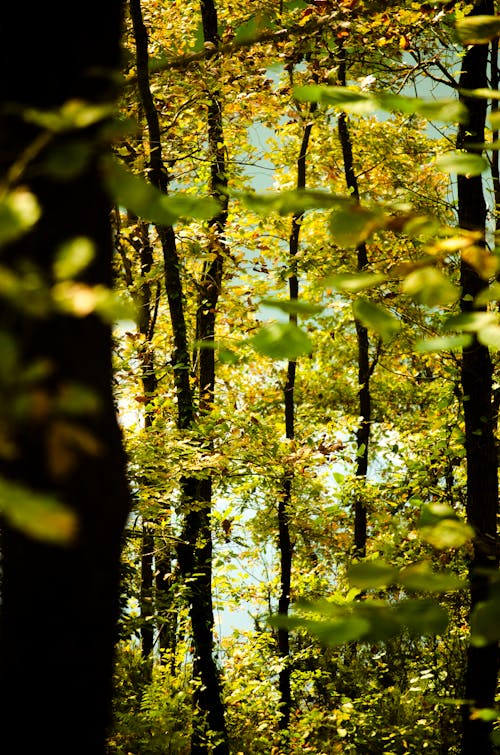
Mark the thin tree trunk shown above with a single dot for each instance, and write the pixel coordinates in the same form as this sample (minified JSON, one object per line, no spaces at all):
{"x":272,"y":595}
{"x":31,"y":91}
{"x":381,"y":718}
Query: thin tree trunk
{"x":285,"y":546}
{"x":476,"y":377}
{"x":198,"y":531}
{"x":194,"y":552}
{"x":59,"y":605}
{"x":364,"y":368}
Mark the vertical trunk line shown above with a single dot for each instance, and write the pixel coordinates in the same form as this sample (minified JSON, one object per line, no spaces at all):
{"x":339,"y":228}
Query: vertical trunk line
{"x":364,"y":369}
{"x":285,"y":545}
{"x":476,"y":378}
{"x":208,"y":693}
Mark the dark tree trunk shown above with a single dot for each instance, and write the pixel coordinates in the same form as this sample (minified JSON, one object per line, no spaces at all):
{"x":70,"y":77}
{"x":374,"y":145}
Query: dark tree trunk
{"x":285,"y":545}
{"x":194,"y":552}
{"x":364,"y":368}
{"x":60,"y":604}
{"x":476,"y":377}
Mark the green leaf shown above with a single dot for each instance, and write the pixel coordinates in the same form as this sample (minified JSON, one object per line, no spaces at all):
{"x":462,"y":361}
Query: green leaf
{"x":289,"y":202}
{"x":461,"y":162}
{"x":440,"y":526}
{"x":485,"y":622}
{"x":422,"y":617}
{"x":73,"y":114}
{"x":442,"y":343}
{"x":352,"y":226}
{"x":353,"y":282}
{"x":294,"y":306}
{"x":371,"y":574}
{"x":147,"y":202}
{"x":430,"y":287}
{"x":355,"y":101}
{"x":376,"y":317}
{"x":420,"y":577}
{"x":478,"y":30}
{"x":490,"y":336}
{"x":256,"y":23}
{"x":351,"y":100}
{"x":281,"y":341}
{"x":38,"y":515}
{"x":73,"y":257}
{"x":446,"y":110}
{"x":471,"y":321}
{"x":19,"y":211}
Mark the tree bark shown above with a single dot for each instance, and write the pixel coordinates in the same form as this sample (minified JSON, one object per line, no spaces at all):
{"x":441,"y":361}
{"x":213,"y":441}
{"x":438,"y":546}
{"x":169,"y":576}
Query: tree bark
{"x":59,"y":605}
{"x":364,"y":368}
{"x":476,"y":378}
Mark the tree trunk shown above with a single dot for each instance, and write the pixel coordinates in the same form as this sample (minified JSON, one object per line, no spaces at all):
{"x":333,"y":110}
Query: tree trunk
{"x":364,"y":368}
{"x":59,"y":605}
{"x":476,"y":377}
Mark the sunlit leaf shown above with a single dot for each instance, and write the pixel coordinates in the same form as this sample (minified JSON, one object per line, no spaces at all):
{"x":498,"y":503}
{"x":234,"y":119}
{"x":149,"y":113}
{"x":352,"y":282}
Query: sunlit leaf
{"x":490,"y":336}
{"x":463,"y":163}
{"x":19,"y":211}
{"x":371,"y":574}
{"x":73,"y":257}
{"x":73,"y":114}
{"x":147,"y":202}
{"x":477,"y":30}
{"x":471,"y":321}
{"x":294,"y":306}
{"x":443,"y":530}
{"x":356,"y":101}
{"x":430,"y":287}
{"x":421,"y":577}
{"x":442,"y":343}
{"x":290,"y":202}
{"x":376,"y":317}
{"x":281,"y":341}
{"x":350,"y":227}
{"x":353,"y":282}
{"x":38,"y":515}
{"x":485,"y":622}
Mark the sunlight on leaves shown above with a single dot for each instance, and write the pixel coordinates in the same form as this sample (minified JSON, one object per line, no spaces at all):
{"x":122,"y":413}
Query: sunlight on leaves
{"x":38,"y":515}
{"x":281,"y":341}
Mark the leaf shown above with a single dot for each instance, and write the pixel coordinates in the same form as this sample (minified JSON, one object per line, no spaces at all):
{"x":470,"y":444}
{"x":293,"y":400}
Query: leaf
{"x":19,"y":211}
{"x":490,"y":337}
{"x":360,"y":103}
{"x":353,"y":282}
{"x":352,"y":100}
{"x":294,"y":306}
{"x":461,"y":162}
{"x":376,"y":317}
{"x":420,"y":577}
{"x":147,"y":202}
{"x":281,"y":341}
{"x":371,"y":574}
{"x":352,"y":226}
{"x":73,"y":257}
{"x":440,"y":526}
{"x":478,"y":30}
{"x":470,"y":321}
{"x":73,"y":114}
{"x":38,"y":515}
{"x":422,"y":617}
{"x":447,"y":533}
{"x":430,"y":287}
{"x":290,"y":202}
{"x":485,"y":622}
{"x":442,"y":343}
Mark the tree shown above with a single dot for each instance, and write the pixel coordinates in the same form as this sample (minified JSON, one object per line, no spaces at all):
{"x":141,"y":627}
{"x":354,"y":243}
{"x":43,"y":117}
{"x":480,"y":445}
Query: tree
{"x":270,"y":495}
{"x":65,"y":495}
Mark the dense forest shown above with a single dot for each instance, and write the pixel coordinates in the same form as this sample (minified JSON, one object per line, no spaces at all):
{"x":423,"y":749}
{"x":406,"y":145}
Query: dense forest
{"x":249,"y":378}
